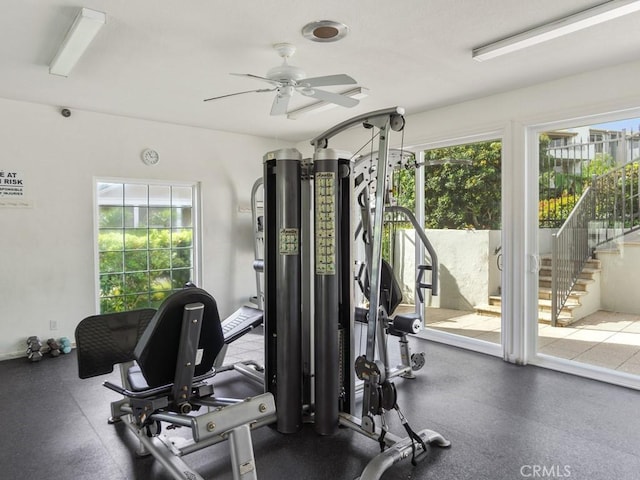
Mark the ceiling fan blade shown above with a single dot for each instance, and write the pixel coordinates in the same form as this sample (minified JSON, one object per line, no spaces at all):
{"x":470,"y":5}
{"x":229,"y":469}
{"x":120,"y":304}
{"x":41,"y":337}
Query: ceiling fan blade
{"x":240,"y":93}
{"x":331,"y":97}
{"x":327,"y":80}
{"x":258,"y":77}
{"x":280,"y":104}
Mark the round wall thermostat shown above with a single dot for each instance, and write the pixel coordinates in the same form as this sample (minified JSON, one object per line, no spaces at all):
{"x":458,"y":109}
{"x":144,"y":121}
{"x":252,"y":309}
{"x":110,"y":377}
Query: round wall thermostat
{"x":150,"y":157}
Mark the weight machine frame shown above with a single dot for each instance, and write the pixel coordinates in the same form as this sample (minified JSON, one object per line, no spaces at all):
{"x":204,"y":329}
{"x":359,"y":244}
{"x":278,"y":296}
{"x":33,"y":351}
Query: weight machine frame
{"x":309,"y":325}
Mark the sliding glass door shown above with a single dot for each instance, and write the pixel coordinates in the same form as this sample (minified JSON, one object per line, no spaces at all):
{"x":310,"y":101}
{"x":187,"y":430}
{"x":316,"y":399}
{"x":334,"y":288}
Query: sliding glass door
{"x":589,"y":246}
{"x":460,"y":203}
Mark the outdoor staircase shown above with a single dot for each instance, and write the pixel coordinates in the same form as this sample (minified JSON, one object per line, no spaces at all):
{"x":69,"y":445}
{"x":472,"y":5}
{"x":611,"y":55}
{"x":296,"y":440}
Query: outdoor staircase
{"x":571,"y":310}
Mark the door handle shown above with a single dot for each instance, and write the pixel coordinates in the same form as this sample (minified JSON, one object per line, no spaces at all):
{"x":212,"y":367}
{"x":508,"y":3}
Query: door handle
{"x":535,"y":263}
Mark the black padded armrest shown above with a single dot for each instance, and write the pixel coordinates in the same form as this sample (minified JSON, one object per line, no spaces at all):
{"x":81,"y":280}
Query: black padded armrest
{"x":136,"y":379}
{"x":105,"y":340}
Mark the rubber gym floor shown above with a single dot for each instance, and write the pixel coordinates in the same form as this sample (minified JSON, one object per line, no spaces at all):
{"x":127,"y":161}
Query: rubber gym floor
{"x":505,"y":422}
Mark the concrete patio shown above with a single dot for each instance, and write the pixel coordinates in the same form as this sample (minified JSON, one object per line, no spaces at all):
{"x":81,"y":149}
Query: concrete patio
{"x":606,"y":339}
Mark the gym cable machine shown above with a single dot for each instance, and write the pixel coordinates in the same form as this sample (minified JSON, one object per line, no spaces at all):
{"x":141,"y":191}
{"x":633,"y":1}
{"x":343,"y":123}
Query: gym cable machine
{"x":309,"y":325}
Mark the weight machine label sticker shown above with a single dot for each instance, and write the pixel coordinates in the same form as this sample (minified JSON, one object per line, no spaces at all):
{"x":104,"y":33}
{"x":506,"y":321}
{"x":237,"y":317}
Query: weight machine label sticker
{"x":325,"y":228}
{"x":247,"y":467}
{"x":289,"y":241}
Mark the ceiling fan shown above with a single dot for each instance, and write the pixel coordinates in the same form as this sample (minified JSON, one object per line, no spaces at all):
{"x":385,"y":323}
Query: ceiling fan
{"x":287,"y":79}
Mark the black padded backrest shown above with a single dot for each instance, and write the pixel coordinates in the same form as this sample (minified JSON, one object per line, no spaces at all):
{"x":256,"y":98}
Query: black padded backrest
{"x":390,"y":292}
{"x":105,"y":340}
{"x":157,"y":350}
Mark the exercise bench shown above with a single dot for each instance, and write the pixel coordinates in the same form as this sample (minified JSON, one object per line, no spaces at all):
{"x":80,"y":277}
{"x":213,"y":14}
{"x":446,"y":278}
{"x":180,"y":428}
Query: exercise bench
{"x":166,"y":360}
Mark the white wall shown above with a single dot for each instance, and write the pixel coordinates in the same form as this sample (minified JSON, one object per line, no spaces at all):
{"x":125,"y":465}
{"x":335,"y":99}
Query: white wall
{"x":620,"y":277}
{"x":47,"y":268}
{"x":468,"y":273}
{"x":545,"y":240}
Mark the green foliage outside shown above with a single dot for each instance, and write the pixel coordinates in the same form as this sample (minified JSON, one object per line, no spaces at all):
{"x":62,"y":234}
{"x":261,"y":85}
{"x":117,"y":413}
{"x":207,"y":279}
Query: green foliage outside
{"x":140,"y":267}
{"x":601,"y":164}
{"x":555,"y":210}
{"x":618,"y":197}
{"x":461,"y":193}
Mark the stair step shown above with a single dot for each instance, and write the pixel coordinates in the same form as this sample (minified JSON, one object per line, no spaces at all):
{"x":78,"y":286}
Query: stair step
{"x":545,"y":293}
{"x":579,"y":281}
{"x":592,"y":263}
{"x":562,"y":321}
{"x":591,"y":270}
{"x":586,"y":277}
{"x":586,"y":274}
{"x":544,"y":304}
{"x":580,"y":285}
{"x":495,"y":300}
{"x":489,"y":310}
{"x":569,"y":306}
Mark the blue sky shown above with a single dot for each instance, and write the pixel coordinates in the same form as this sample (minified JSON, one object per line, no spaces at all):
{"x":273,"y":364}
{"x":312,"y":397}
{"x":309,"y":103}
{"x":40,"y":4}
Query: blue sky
{"x":632,"y":124}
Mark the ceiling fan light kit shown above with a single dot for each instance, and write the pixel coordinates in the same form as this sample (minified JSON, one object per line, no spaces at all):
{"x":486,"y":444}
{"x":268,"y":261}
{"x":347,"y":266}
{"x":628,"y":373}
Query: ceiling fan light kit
{"x":288,"y":79}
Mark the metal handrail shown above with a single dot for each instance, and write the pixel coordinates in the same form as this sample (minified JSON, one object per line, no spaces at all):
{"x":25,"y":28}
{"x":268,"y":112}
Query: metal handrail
{"x":570,"y":251}
{"x":617,"y":201}
{"x":608,"y":209}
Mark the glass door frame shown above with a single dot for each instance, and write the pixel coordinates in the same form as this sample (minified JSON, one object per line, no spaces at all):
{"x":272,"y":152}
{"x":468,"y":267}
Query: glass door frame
{"x":449,"y":338}
{"x":529,"y":352}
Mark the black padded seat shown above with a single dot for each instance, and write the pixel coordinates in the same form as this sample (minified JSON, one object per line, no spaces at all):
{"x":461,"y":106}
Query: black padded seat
{"x":157,"y":349}
{"x":108,"y":339}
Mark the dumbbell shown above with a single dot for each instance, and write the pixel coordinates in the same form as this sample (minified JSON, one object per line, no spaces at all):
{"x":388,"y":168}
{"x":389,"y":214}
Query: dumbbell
{"x":54,"y":347}
{"x":65,"y":345}
{"x":33,"y":349}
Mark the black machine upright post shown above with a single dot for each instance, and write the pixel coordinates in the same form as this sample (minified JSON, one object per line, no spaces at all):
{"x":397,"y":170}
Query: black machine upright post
{"x":332,"y":292}
{"x":282,"y":319}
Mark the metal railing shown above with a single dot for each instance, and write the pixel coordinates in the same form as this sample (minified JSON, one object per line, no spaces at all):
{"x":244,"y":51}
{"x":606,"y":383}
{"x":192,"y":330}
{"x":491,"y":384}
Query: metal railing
{"x":565,"y":170}
{"x":617,"y":203}
{"x":570,"y":250}
{"x":608,"y":209}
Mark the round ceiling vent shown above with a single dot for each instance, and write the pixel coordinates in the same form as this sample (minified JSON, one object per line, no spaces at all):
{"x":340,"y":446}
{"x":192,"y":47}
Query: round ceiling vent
{"x":325,"y":31}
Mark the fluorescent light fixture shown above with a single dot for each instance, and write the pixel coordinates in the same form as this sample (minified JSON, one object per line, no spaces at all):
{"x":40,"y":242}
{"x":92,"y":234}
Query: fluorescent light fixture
{"x":322,"y":106}
{"x":564,"y":26}
{"x":84,"y":29}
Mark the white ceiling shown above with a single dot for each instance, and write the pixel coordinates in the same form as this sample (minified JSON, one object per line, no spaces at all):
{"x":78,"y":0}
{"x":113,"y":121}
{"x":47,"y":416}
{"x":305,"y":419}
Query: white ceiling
{"x":158,"y":59}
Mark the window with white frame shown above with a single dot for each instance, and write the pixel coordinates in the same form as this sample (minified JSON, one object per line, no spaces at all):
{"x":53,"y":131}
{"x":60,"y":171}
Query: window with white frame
{"x":146,"y":242}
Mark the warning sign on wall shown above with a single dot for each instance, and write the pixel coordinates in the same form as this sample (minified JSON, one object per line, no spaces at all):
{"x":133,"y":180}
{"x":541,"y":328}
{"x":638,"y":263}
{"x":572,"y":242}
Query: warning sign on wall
{"x":13,"y":189}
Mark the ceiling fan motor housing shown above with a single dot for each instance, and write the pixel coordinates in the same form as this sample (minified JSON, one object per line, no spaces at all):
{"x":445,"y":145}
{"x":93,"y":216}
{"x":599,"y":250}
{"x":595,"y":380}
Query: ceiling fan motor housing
{"x":285,"y":73}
